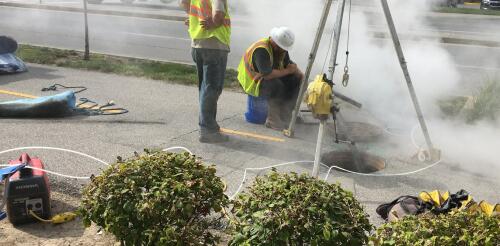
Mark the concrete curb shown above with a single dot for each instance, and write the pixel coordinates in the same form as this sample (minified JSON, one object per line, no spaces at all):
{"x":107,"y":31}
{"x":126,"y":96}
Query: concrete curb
{"x":95,"y":11}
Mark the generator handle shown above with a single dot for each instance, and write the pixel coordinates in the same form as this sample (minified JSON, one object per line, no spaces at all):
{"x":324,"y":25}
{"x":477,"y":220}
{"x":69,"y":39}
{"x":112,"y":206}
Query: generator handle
{"x":25,"y":159}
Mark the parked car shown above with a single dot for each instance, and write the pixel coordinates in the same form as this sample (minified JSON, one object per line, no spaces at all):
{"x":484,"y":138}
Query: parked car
{"x":490,"y":4}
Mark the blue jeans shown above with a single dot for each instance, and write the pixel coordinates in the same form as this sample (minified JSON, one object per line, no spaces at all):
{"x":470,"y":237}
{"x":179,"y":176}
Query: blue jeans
{"x":211,"y":67}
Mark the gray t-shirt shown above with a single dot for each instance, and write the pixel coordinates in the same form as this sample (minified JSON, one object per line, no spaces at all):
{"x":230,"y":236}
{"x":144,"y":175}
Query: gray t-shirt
{"x":213,"y":42}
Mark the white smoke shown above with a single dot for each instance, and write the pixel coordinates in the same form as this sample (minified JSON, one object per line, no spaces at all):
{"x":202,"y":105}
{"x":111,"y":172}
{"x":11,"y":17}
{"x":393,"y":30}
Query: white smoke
{"x":376,"y":78}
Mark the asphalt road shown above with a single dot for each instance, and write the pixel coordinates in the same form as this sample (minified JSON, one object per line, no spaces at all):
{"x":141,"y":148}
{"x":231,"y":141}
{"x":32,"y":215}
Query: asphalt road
{"x":168,"y":40}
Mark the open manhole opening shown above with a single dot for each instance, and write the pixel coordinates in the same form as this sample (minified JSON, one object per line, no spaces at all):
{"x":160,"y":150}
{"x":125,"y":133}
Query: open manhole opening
{"x":359,"y":131}
{"x":367,"y":163}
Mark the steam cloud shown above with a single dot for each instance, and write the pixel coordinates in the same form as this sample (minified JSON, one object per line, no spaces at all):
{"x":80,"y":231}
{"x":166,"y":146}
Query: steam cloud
{"x":376,"y":77}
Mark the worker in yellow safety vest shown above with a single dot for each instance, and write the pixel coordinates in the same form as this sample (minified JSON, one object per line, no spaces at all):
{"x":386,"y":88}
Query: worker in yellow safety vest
{"x":266,"y":70}
{"x":210,"y":31}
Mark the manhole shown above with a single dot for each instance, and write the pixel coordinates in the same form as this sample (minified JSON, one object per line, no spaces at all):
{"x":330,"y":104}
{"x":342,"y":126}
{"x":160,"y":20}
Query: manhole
{"x":368,"y":163}
{"x":359,"y":131}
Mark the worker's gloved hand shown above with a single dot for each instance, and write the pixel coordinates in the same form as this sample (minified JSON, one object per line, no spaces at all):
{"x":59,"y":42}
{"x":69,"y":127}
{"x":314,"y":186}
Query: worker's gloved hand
{"x":186,"y":22}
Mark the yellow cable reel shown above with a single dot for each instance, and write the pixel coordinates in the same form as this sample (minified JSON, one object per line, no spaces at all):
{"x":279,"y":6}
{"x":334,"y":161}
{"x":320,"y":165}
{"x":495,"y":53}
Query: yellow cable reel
{"x":319,"y":97}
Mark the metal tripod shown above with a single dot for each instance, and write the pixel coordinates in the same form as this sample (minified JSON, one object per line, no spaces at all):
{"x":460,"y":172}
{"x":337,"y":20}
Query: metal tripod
{"x":433,"y":153}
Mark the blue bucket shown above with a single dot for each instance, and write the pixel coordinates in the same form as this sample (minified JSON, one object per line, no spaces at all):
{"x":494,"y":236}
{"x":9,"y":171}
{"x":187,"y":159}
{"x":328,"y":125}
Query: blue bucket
{"x":256,"y":110}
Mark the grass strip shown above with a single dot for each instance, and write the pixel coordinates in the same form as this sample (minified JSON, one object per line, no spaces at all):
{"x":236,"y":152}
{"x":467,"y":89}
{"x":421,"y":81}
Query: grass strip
{"x":157,"y":70}
{"x":467,"y":11}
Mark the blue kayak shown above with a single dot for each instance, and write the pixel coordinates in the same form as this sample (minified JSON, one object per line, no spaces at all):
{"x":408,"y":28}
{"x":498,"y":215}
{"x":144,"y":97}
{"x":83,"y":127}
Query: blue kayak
{"x":59,"y":105}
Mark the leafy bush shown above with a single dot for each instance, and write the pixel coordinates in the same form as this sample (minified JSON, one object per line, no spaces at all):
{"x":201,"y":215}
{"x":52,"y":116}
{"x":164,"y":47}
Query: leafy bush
{"x":454,"y":229}
{"x":288,"y":209}
{"x":486,"y":104}
{"x":157,"y":198}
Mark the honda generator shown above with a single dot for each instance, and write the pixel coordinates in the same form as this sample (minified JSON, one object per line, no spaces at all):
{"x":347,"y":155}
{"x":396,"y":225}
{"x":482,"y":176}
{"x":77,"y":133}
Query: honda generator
{"x":27,"y":190}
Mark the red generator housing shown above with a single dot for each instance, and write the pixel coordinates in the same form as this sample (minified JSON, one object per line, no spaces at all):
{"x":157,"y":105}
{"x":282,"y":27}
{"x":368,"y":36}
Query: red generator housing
{"x":26,"y":190}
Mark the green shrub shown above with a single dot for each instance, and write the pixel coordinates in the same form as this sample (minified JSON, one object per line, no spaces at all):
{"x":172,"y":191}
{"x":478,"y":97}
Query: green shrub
{"x":157,"y":198}
{"x":454,"y":229}
{"x":486,"y":104}
{"x":288,"y":209}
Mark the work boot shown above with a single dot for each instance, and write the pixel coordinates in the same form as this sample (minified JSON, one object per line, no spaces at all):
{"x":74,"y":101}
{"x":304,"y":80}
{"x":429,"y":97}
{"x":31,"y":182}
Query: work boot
{"x":286,"y":112}
{"x":273,"y":120}
{"x":215,"y":137}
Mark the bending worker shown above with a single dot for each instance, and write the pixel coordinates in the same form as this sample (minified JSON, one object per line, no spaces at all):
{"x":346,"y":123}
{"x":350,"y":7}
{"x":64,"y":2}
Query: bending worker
{"x":266,"y":70}
{"x":210,"y":31}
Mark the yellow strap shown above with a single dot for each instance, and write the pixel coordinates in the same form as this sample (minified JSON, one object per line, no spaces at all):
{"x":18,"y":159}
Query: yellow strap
{"x":486,"y":208}
{"x":17,"y":94}
{"x":252,"y":135}
{"x":435,"y":196}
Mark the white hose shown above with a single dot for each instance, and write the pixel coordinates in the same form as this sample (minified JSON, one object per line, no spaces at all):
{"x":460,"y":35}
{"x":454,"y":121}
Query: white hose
{"x":51,"y":172}
{"x":263,"y":168}
{"x":74,"y":152}
{"x":58,"y":149}
{"x":178,"y":147}
{"x":246,"y":169}
{"x":343,"y":169}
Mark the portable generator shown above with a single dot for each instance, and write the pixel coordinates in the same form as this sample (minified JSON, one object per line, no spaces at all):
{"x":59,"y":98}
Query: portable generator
{"x":27,"y":190}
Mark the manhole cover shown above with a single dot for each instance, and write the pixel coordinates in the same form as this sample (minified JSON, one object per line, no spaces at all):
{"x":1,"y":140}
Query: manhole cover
{"x":344,"y":159}
{"x":359,"y":131}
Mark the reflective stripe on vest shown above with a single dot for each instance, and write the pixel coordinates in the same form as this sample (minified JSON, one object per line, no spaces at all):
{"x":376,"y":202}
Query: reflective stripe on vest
{"x":200,"y":10}
{"x":246,"y":70}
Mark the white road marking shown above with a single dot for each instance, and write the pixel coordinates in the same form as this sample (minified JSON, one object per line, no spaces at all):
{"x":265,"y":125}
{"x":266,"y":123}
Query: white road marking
{"x":156,"y":36}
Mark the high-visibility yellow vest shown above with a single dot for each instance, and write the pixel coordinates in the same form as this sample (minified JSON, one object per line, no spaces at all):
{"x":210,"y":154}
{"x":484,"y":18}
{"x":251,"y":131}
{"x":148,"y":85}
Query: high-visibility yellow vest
{"x":202,"y":9}
{"x":246,"y":71}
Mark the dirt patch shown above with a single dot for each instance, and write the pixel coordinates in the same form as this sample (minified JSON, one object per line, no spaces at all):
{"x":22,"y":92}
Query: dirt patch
{"x":71,"y":233}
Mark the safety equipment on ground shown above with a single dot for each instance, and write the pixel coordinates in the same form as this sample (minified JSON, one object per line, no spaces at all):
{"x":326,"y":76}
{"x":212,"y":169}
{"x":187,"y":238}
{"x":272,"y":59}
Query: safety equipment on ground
{"x":485,"y":207}
{"x":400,"y":207}
{"x":201,"y":10}
{"x":247,"y":73}
{"x":436,"y":202}
{"x":443,"y":202}
{"x":319,"y":97}
{"x":283,"y":37}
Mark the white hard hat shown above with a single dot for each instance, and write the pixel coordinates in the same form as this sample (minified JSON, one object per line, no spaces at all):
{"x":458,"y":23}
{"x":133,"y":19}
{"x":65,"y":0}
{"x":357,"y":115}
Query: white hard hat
{"x":283,"y":37}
